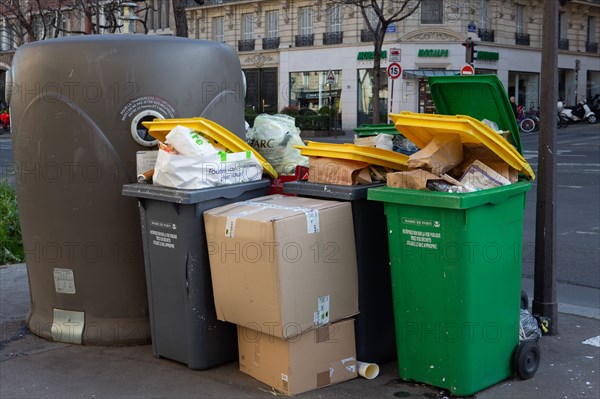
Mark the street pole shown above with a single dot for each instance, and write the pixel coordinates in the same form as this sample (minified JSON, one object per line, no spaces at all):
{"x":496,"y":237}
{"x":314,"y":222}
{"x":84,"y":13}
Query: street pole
{"x":544,"y":301}
{"x":391,"y":102}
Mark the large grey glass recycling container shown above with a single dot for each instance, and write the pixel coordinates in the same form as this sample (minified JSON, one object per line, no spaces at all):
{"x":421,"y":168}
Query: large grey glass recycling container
{"x":76,"y":109}
{"x":375,"y":334}
{"x":183,"y":318}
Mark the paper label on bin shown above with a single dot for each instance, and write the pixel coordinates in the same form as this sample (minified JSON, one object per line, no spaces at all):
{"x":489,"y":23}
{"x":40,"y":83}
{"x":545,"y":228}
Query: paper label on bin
{"x":419,"y":233}
{"x":64,"y":281}
{"x":321,"y":316}
{"x":162,"y":234}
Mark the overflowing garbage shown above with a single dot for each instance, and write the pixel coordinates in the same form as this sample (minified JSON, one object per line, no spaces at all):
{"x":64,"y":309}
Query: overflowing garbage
{"x":284,"y":304}
{"x":465,"y":154}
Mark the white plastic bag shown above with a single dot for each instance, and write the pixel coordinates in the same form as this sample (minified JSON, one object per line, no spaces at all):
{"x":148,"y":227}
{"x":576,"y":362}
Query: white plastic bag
{"x":185,"y":172}
{"x":384,"y":141}
{"x":189,"y":142}
{"x":274,"y":137}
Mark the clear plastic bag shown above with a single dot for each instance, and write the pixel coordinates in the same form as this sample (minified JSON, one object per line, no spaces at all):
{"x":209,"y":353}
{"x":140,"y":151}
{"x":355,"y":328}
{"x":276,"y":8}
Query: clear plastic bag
{"x":274,"y":137}
{"x":529,"y":329}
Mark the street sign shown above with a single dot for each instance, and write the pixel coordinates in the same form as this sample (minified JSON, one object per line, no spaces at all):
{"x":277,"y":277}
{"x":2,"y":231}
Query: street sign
{"x":467,"y":70}
{"x":395,"y":54}
{"x":394,"y":70}
{"x":330,"y":77}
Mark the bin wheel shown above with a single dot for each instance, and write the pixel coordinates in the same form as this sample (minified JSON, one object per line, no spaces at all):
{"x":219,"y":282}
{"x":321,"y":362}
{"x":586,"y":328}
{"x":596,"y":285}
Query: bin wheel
{"x":526,"y":359}
{"x":524,"y":300}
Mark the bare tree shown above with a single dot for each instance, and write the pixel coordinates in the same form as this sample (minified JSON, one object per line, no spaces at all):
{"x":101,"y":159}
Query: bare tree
{"x":33,"y":20}
{"x":378,"y":15}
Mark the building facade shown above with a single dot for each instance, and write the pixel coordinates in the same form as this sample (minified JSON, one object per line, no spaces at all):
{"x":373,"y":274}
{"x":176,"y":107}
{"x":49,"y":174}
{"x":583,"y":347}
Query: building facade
{"x":310,"y":54}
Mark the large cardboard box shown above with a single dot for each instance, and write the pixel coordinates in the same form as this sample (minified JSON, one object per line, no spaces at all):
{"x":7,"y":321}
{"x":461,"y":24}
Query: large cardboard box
{"x":283,"y":265}
{"x":318,"y":358}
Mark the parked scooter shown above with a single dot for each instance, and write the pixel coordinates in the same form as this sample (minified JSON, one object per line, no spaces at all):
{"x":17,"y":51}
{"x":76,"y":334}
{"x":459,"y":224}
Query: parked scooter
{"x":577,"y":113}
{"x":594,"y":104}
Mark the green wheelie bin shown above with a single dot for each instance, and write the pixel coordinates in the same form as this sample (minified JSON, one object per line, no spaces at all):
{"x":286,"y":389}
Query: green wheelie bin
{"x":456,"y":261}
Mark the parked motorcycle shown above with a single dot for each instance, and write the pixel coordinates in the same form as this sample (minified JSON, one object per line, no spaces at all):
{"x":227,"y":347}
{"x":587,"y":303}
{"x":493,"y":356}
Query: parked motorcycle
{"x":577,"y":113}
{"x":594,"y":104}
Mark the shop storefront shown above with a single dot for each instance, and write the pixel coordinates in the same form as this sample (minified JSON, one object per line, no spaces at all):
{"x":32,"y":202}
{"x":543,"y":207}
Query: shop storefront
{"x":525,"y":86}
{"x":366,"y":78}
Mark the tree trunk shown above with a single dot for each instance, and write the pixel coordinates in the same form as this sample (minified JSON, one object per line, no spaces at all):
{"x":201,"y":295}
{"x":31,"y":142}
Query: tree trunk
{"x":181,"y":27}
{"x":378,"y":41}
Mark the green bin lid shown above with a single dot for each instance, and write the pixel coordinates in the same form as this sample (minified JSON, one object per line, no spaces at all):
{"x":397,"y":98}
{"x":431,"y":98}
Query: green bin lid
{"x":375,"y":129}
{"x":478,"y":96}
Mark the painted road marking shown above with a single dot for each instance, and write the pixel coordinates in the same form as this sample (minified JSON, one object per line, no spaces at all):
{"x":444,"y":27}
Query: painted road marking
{"x":595,"y":341}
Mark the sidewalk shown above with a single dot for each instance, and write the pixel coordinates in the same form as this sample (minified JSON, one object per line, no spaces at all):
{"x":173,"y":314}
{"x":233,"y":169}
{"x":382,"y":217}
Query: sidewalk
{"x":31,"y":367}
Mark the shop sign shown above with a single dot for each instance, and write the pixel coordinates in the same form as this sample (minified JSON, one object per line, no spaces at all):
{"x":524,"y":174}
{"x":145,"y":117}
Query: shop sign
{"x":487,"y":56}
{"x":433,"y":53}
{"x":369,"y":55}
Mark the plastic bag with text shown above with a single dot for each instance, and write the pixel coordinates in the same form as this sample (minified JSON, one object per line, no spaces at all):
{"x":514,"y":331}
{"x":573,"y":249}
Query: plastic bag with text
{"x":274,"y":137}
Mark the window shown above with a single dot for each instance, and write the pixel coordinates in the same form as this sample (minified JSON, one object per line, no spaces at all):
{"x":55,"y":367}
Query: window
{"x":247,"y":26}
{"x":591,"y":30}
{"x":334,"y":18}
{"x":483,"y":14}
{"x":306,"y":23}
{"x":519,"y":18}
{"x":373,"y":18}
{"x":164,"y":21}
{"x":64,"y":25}
{"x":562,"y":25}
{"x":159,"y":15}
{"x":432,"y":11}
{"x":217,"y":29}
{"x":272,"y":24}
{"x":366,"y":77}
{"x":7,"y":36}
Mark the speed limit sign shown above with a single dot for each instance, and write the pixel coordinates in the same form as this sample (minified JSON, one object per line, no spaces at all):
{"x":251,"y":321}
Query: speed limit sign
{"x":394,"y":70}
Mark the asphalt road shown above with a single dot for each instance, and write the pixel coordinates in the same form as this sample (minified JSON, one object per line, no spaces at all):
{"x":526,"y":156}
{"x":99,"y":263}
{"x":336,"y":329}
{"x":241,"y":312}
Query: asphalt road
{"x":578,"y":202}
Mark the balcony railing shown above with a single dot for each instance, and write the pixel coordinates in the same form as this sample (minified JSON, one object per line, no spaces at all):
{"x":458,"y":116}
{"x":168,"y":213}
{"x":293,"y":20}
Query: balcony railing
{"x":563,"y":44}
{"x":591,"y":47}
{"x":522,"y":39}
{"x":333,"y":38}
{"x":486,"y":35}
{"x":366,"y":35}
{"x":246,"y":45}
{"x":270,"y":43}
{"x":305,"y":40}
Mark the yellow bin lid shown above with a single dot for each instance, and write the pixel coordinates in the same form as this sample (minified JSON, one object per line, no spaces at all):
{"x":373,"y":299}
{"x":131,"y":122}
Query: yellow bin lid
{"x":374,"y":156}
{"x":159,"y":128}
{"x":421,"y":128}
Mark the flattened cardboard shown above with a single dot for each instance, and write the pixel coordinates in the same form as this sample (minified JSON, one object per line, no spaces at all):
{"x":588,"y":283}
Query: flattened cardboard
{"x":270,"y":274}
{"x":473,"y":152}
{"x":315,"y":359}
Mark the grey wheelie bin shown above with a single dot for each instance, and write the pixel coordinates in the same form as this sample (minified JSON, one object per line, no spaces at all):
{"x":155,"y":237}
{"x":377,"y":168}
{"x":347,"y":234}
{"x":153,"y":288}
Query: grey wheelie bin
{"x":183,"y":321}
{"x":374,"y":326}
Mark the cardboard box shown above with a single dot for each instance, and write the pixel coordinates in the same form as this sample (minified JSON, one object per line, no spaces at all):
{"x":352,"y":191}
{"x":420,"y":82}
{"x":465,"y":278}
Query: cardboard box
{"x":315,"y":359}
{"x":283,"y":265}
